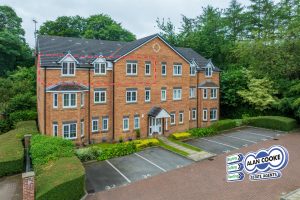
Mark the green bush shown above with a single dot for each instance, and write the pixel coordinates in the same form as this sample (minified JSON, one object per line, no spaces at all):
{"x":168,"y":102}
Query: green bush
{"x":11,"y":148}
{"x":224,"y":124}
{"x":45,"y":148}
{"x":272,"y":122}
{"x":61,"y":179}
{"x":23,"y":115}
{"x":141,"y":144}
{"x":90,"y":153}
{"x":5,"y":125}
{"x":202,"y":132}
{"x":181,"y":136}
{"x":117,"y":150}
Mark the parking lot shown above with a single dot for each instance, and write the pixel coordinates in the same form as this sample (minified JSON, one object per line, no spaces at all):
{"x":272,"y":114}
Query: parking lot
{"x":116,"y":172}
{"x":234,"y":139}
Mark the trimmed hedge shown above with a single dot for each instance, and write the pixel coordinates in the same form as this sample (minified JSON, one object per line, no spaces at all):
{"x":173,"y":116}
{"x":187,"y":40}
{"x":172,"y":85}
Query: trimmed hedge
{"x":23,"y":115}
{"x":141,"y":144}
{"x":272,"y":122}
{"x":117,"y":150}
{"x":202,"y":132}
{"x":224,"y":124}
{"x":11,"y":148}
{"x":61,"y":179}
{"x":181,"y":136}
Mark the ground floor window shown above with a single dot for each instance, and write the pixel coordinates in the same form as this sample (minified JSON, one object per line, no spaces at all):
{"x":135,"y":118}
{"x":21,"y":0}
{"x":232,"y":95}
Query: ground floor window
{"x":213,"y":114}
{"x":204,"y":117}
{"x":194,"y":114}
{"x":105,"y":123}
{"x":95,"y":125}
{"x":55,"y":130}
{"x":82,"y":128}
{"x":172,"y":118}
{"x":180,"y":117}
{"x":125,"y":123}
{"x":70,"y":130}
{"x":136,"y":122}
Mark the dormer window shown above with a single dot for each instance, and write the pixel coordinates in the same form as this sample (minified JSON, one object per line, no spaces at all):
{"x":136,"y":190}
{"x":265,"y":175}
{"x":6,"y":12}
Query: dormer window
{"x":100,"y":68}
{"x":68,"y":68}
{"x":208,"y":71}
{"x":192,"y":70}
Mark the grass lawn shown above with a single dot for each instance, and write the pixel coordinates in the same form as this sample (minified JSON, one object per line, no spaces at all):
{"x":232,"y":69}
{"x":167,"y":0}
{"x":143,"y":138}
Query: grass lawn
{"x":163,"y":145}
{"x":184,"y":144}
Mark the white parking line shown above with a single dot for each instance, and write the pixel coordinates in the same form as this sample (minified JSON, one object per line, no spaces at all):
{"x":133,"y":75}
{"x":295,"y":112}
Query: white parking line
{"x":256,"y":134}
{"x":219,"y":143}
{"x":239,"y":138}
{"x":149,"y":161}
{"x":127,"y":179}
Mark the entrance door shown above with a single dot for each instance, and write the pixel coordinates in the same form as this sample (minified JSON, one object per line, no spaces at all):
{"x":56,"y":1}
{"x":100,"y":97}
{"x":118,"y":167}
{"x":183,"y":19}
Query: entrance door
{"x":155,"y":126}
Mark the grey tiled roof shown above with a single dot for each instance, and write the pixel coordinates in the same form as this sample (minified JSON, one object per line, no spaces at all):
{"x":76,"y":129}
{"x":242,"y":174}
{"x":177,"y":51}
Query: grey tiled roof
{"x":67,"y":86}
{"x":207,"y":84}
{"x":54,"y":48}
{"x":154,"y":111}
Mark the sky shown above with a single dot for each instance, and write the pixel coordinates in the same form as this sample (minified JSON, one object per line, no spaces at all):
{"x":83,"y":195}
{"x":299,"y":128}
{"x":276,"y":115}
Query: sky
{"x":137,"y":16}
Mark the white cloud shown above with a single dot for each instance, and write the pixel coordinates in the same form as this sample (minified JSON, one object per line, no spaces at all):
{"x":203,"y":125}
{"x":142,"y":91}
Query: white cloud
{"x":137,"y":16}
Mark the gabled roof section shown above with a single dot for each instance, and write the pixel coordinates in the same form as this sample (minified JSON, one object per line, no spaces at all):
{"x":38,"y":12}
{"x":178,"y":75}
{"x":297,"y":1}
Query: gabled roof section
{"x":68,"y":57}
{"x":208,"y":84}
{"x":158,"y":112}
{"x":67,"y":86}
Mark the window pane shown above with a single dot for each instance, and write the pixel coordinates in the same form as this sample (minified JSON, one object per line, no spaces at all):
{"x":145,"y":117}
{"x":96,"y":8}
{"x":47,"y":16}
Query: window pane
{"x":105,"y":123}
{"x":73,"y":99}
{"x":71,"y":68}
{"x":66,"y":131}
{"x":133,"y":96}
{"x":72,"y":130}
{"x":128,"y":70}
{"x":95,"y":125}
{"x":128,"y":96}
{"x":103,"y":96}
{"x":134,"y":68}
{"x":66,"y":100}
{"x":65,"y":68}
{"x":97,"y":68}
{"x":97,"y":97}
{"x":103,"y":68}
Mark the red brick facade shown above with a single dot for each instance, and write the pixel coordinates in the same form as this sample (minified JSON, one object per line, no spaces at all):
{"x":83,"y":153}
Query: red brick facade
{"x":116,"y":82}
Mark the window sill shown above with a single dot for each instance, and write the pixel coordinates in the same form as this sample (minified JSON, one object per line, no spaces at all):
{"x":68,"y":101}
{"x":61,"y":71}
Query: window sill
{"x":70,"y":108}
{"x":100,"y":103}
{"x":95,"y":132}
{"x":213,"y":98}
{"x":95,"y":75}
{"x":67,"y":76}
{"x":131,"y":102}
{"x":177,"y":99}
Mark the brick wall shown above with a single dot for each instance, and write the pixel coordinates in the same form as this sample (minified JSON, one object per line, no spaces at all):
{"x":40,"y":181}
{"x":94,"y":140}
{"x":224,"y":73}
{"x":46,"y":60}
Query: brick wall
{"x":28,"y":186}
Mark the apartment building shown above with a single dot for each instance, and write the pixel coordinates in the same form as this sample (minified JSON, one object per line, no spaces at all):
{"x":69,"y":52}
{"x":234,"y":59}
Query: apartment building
{"x":92,"y":91}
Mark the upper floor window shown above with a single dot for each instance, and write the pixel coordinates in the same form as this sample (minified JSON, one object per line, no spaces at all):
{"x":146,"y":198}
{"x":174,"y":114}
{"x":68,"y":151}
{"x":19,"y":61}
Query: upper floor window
{"x":163,"y":95}
{"x":131,"y":96}
{"x":177,"y":94}
{"x":192,"y":70}
{"x":213,"y":93}
{"x":68,"y":68}
{"x":55,"y":100}
{"x":147,"y":69}
{"x":204,"y":93}
{"x":177,"y":70}
{"x":70,"y":131}
{"x":69,"y":100}
{"x":131,"y":69}
{"x":213,"y":114}
{"x":192,"y":92}
{"x":100,"y":96}
{"x":147,"y":95}
{"x":164,"y":69}
{"x":100,"y":68}
{"x":208,"y":71}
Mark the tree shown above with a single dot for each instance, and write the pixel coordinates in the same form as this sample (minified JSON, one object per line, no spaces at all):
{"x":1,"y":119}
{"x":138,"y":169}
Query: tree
{"x":94,"y":27}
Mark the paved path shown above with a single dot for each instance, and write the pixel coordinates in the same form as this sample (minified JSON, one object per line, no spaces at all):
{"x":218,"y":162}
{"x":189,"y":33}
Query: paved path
{"x":193,"y":155}
{"x":206,"y":180}
{"x":11,"y":187}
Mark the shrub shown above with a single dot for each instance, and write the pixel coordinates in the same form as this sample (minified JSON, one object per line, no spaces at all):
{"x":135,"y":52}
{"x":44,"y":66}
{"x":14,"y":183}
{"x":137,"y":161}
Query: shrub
{"x":23,"y":115}
{"x":117,"y":150}
{"x":5,"y":125}
{"x":224,"y":124}
{"x":61,"y":179}
{"x":202,"y":132}
{"x":45,"y":148}
{"x":272,"y":122}
{"x":89,"y":153}
{"x":181,"y":136}
{"x":141,"y":144}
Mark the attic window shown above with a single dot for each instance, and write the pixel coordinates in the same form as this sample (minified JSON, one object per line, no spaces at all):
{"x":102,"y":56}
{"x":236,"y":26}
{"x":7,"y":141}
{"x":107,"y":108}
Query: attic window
{"x":208,"y":71}
{"x":192,"y":70}
{"x":100,"y":68}
{"x":68,"y":68}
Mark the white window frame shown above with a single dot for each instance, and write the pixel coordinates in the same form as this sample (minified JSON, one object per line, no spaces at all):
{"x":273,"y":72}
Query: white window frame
{"x":131,"y":73}
{"x":213,"y":93}
{"x":69,"y":133}
{"x":100,"y":92}
{"x":125,"y":119}
{"x":163,"y":66}
{"x":136,"y":123}
{"x":176,"y":92}
{"x":95,"y":130}
{"x":68,"y":69}
{"x":177,"y":69}
{"x":98,"y":68}
{"x":131,"y":91}
{"x":103,"y":127}
{"x":192,"y":92}
{"x":82,"y":128}
{"x":147,"y":91}
{"x":181,"y":117}
{"x":55,"y":100}
{"x":204,"y":114}
{"x":205,"y":93}
{"x":192,"y":70}
{"x":82,"y":99}
{"x":194,"y":113}
{"x":148,"y":65}
{"x":69,"y":103}
{"x":174,"y":117}
{"x":208,"y":71}
{"x":161,"y":95}
{"x":55,"y":130}
{"x":215,"y":113}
